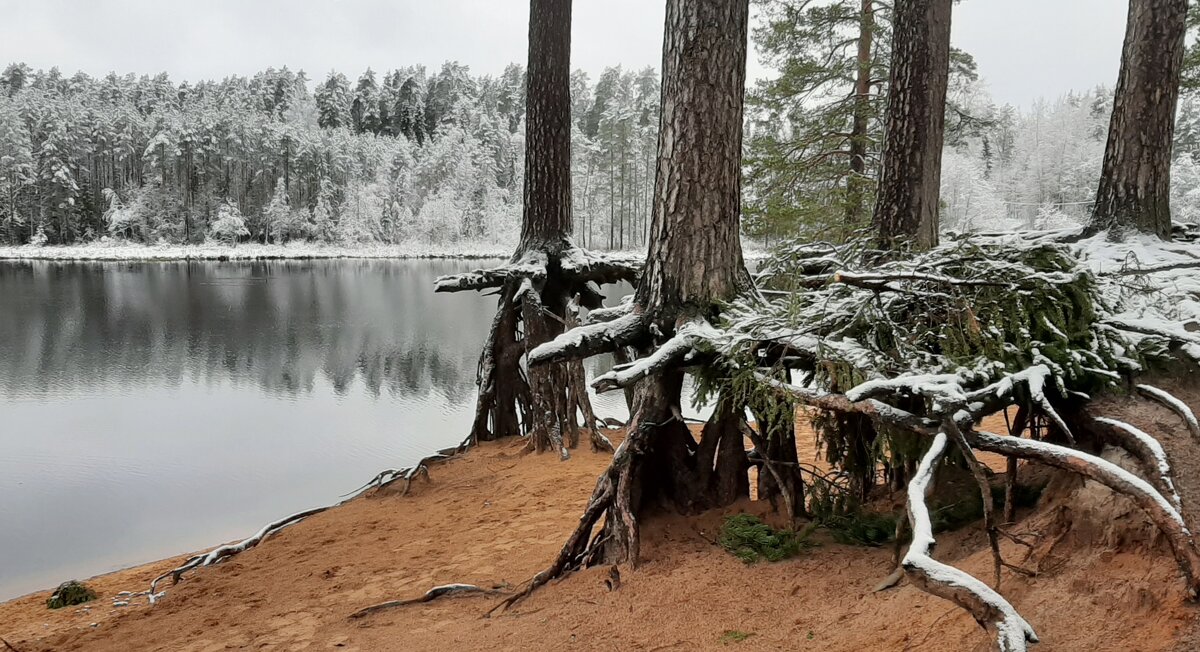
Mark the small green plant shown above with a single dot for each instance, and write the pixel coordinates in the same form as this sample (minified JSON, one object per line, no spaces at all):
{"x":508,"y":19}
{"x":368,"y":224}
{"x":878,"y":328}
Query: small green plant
{"x":746,"y":537}
{"x":861,"y":528}
{"x":70,"y":593}
{"x":734,"y":636}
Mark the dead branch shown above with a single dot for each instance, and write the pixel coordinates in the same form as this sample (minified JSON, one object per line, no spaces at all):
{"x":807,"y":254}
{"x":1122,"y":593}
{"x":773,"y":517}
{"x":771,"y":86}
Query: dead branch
{"x":432,"y":594}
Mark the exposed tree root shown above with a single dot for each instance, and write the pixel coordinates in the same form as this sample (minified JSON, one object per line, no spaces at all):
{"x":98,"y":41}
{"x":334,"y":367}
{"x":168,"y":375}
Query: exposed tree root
{"x":222,"y":552}
{"x":538,"y":292}
{"x":1175,"y":405}
{"x":1160,"y":510}
{"x":436,"y":592}
{"x":988,"y":607}
{"x":383,"y":479}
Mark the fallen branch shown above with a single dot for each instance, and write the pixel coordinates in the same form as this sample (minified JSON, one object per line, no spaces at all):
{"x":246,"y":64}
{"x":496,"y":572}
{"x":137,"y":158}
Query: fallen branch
{"x":429,"y":596}
{"x":9,"y":646}
{"x":988,"y":607}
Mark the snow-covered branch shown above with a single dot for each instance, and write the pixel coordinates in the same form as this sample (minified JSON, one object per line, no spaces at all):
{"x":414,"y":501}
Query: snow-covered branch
{"x":530,"y":266}
{"x":589,"y":340}
{"x":671,"y":353}
{"x":1174,"y":404}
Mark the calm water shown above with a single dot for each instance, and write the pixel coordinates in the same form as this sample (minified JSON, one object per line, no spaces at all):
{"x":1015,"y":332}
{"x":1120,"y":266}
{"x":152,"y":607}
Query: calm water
{"x":150,"y":409}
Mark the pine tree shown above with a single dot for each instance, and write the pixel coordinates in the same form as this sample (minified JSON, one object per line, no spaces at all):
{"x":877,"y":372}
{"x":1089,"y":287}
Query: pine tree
{"x":333,"y":102}
{"x":1135,"y":182}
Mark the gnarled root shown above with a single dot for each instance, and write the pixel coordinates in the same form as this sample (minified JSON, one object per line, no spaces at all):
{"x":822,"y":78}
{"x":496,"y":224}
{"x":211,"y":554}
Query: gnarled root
{"x":222,"y":552}
{"x":988,"y":607}
{"x":1173,"y":404}
{"x":436,"y":592}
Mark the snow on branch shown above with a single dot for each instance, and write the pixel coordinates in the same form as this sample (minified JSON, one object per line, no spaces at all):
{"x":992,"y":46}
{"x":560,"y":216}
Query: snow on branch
{"x":589,"y":340}
{"x":586,"y":265}
{"x":530,"y":266}
{"x":671,"y":353}
{"x":1149,"y":452}
{"x":625,"y":307}
{"x":988,"y":607}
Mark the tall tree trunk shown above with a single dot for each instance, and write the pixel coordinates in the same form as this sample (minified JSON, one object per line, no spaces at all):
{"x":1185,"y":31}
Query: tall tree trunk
{"x":907,"y":207}
{"x":857,"y":183}
{"x":694,"y":262}
{"x":541,"y":401}
{"x":1135,"y":181}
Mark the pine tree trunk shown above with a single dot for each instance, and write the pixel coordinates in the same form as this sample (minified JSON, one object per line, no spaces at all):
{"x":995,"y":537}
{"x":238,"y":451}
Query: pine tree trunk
{"x":694,"y":262}
{"x":1135,"y":182}
{"x":857,"y":183}
{"x":547,"y":217}
{"x":907,"y":207}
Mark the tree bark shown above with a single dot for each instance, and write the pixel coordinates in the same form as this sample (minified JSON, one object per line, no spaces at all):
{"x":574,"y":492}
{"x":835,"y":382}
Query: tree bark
{"x":907,"y":207}
{"x":695,"y":256}
{"x":1135,"y":181}
{"x":541,"y":402}
{"x":547,"y":217}
{"x":694,"y":262}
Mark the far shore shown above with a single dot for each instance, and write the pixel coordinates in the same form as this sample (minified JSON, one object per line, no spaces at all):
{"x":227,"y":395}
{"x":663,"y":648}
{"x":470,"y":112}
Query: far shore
{"x":106,"y":251}
{"x":109,"y":251}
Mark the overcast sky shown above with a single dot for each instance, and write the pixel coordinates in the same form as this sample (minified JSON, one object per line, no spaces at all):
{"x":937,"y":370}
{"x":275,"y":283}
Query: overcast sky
{"x":1025,"y":48}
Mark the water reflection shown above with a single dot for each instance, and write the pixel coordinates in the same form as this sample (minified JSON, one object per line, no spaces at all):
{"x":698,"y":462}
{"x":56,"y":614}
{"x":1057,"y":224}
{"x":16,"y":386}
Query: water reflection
{"x":153,"y":408}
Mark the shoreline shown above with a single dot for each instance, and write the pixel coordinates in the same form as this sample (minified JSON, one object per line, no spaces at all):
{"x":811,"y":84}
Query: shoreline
{"x":109,"y":252}
{"x":105,"y":252}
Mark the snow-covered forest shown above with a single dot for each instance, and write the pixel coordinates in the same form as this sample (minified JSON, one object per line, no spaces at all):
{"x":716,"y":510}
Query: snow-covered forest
{"x":413,"y":156}
{"x":406,"y":156}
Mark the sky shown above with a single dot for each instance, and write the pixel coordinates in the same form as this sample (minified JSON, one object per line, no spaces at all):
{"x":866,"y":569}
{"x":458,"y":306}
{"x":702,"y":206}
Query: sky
{"x":1025,"y":48}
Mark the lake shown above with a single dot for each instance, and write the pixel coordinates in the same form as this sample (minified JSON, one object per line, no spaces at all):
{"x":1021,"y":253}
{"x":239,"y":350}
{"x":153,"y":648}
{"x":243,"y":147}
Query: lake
{"x":151,"y":409}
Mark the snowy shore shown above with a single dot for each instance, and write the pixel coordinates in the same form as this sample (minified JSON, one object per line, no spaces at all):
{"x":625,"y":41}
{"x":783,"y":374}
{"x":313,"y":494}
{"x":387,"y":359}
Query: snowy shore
{"x":137,"y":252}
{"x":98,"y":251}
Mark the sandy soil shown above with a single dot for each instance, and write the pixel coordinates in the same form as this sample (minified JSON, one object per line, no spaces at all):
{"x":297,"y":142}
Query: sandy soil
{"x":496,"y":516}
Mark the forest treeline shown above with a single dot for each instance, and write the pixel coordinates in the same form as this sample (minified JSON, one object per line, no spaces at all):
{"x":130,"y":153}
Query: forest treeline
{"x":412,"y":155}
{"x":406,"y":156}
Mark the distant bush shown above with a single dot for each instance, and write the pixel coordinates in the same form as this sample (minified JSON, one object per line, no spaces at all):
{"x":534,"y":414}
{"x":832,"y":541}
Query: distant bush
{"x":70,"y":593}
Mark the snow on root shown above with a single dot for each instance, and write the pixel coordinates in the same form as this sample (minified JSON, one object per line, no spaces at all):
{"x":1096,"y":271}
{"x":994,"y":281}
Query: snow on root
{"x":988,"y":607}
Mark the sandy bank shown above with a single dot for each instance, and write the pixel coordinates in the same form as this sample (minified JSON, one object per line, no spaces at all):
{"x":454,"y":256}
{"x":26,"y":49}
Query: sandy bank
{"x":495,"y":515}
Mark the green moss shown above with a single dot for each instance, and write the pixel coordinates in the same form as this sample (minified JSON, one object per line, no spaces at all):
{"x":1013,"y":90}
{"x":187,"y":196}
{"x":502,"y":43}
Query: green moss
{"x":734,"y":636}
{"x":70,"y":593}
{"x":746,"y":537}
